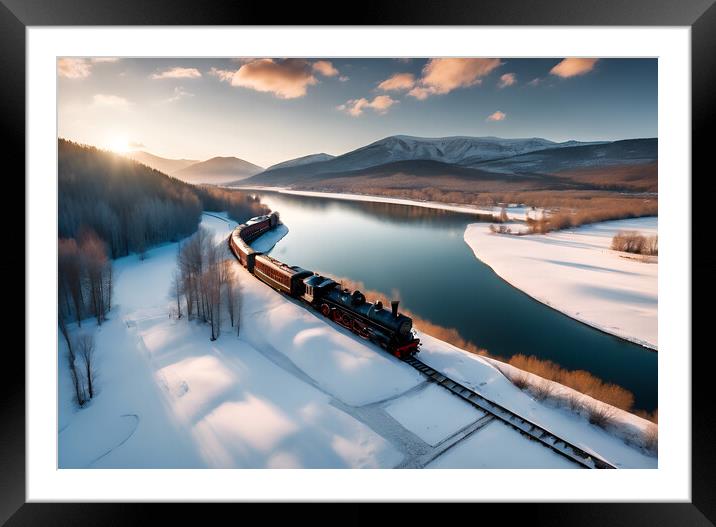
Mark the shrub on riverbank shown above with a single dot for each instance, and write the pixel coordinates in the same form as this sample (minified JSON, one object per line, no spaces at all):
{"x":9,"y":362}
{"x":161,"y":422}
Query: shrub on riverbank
{"x":569,"y":219}
{"x":633,"y":242}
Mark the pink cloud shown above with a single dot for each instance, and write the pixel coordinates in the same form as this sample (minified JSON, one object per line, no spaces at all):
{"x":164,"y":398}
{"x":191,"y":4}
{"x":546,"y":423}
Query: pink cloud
{"x":325,"y":68}
{"x":571,"y":67}
{"x":178,"y":73}
{"x":447,"y":74}
{"x":497,"y":116}
{"x":379,"y":104}
{"x":286,"y":79}
{"x":535,"y":82}
{"x":80,"y":68}
{"x":421,"y":93}
{"x":508,"y":79}
{"x":397,"y":82}
{"x":73,"y":68}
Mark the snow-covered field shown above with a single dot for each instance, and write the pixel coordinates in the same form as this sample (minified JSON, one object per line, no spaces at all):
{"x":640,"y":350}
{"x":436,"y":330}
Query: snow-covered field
{"x":292,"y":391}
{"x":577,"y":273}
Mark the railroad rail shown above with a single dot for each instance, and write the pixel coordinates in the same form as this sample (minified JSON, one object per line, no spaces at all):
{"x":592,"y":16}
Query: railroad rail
{"x":522,"y":425}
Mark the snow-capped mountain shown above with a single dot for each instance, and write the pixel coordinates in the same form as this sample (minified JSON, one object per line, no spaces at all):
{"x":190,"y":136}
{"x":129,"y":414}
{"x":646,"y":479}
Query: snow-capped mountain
{"x":458,"y":150}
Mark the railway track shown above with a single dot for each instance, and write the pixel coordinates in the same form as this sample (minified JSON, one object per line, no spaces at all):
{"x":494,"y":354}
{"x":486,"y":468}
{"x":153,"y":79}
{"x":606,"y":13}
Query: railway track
{"x":522,"y":425}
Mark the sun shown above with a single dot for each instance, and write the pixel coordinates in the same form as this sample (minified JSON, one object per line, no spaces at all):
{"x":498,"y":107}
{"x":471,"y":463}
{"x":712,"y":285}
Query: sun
{"x":119,"y":145}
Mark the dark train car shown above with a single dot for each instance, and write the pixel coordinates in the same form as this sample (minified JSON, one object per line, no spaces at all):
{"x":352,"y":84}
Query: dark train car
{"x":281,"y":276}
{"x":386,"y":327}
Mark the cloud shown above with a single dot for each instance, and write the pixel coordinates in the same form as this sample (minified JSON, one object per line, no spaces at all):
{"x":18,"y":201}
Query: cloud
{"x":179,"y":93}
{"x":535,"y":82}
{"x":325,"y":68}
{"x":343,"y":78}
{"x":397,"y":82}
{"x":508,"y":79}
{"x":222,"y":75}
{"x":442,"y":76}
{"x":571,"y":67}
{"x":136,"y":145}
{"x":73,"y":68}
{"x":115,"y":101}
{"x":421,"y":93}
{"x":178,"y":73}
{"x":286,"y":79}
{"x":497,"y":116}
{"x":380,"y":104}
{"x":80,"y":68}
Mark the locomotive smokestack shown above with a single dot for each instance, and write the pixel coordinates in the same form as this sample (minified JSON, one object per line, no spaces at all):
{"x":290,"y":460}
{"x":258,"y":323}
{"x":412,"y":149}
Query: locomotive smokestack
{"x":394,"y":307}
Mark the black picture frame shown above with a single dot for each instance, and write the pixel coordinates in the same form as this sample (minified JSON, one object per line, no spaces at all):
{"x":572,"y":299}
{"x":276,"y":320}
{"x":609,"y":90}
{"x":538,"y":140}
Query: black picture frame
{"x":700,"y":15}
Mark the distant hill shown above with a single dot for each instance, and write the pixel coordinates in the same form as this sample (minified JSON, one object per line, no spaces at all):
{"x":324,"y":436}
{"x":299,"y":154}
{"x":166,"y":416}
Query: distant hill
{"x":476,"y":164}
{"x":168,"y":166}
{"x":218,"y":170}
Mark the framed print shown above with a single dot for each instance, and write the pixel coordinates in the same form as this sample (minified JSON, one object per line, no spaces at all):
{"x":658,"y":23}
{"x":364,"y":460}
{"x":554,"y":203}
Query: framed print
{"x":414,"y":258}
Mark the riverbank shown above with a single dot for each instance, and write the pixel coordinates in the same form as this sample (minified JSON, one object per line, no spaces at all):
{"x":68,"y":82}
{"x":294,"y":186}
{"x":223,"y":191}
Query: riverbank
{"x":575,"y":272}
{"x":513,"y":213}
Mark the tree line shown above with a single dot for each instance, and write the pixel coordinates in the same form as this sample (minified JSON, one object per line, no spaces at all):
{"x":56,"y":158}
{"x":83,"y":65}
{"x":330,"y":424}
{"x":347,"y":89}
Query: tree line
{"x":207,"y":283}
{"x":132,"y":206}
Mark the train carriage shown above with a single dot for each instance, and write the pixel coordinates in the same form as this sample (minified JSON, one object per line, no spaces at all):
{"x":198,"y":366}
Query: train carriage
{"x":281,"y":276}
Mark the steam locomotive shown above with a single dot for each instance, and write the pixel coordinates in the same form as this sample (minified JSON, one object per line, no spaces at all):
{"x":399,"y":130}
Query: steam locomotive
{"x":372,"y":321}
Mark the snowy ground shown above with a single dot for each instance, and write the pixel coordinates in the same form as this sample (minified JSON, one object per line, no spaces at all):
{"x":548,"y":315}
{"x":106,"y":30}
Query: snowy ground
{"x":578,"y":274}
{"x":292,"y":391}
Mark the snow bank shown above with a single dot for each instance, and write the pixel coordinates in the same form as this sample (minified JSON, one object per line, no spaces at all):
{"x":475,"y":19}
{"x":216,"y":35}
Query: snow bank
{"x":576,"y":273}
{"x":433,"y":413}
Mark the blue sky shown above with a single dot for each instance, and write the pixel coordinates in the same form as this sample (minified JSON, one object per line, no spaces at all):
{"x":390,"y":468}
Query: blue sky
{"x":270,"y":110}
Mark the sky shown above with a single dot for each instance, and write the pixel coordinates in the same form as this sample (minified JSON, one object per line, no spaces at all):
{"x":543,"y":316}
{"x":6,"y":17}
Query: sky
{"x":268,"y":110}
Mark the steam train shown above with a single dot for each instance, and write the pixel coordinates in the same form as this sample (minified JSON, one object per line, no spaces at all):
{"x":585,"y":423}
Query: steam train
{"x":371,"y":321}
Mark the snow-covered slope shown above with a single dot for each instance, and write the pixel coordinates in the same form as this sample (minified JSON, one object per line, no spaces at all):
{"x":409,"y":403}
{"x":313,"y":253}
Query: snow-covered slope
{"x":292,"y":391}
{"x":305,"y":160}
{"x":577,"y":273}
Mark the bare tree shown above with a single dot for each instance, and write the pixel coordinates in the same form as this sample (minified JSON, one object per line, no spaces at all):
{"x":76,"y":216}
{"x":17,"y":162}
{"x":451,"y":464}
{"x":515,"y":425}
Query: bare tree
{"x":69,"y":271}
{"x":85,"y":349}
{"x":177,"y":289}
{"x":96,"y":271}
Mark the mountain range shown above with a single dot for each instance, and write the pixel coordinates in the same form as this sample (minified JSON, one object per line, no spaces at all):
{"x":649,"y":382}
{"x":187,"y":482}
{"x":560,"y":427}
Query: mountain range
{"x":461,"y":163}
{"x":217,"y":170}
{"x":476,"y":164}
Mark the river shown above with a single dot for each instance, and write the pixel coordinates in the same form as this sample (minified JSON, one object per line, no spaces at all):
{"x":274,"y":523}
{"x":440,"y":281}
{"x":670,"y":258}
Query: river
{"x":419,"y":255}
